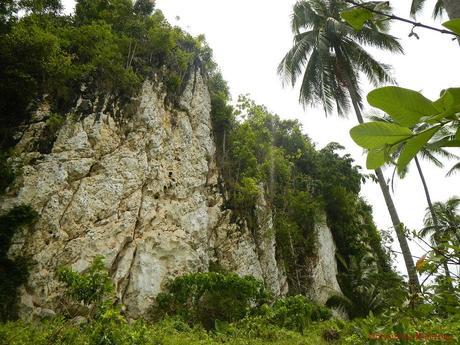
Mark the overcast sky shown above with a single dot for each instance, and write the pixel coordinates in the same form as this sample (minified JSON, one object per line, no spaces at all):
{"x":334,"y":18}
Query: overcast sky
{"x":249,"y":38}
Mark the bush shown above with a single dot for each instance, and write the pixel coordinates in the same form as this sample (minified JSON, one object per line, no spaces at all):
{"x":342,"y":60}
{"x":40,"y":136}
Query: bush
{"x":206,"y":297}
{"x":92,"y":288}
{"x":296,"y":313}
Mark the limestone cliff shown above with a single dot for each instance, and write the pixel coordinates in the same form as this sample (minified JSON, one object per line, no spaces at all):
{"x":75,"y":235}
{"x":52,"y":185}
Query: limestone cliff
{"x":140,"y":190}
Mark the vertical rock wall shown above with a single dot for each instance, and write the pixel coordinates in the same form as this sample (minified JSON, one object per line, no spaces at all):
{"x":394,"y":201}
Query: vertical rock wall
{"x":140,"y":190}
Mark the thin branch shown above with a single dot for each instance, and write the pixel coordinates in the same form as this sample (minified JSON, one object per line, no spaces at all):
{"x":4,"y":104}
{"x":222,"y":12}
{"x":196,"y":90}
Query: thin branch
{"x":405,"y":20}
{"x":450,"y":258}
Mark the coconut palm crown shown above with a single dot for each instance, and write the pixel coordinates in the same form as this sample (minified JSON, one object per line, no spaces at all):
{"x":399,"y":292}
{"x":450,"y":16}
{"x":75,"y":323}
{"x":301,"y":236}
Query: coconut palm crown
{"x":331,"y":55}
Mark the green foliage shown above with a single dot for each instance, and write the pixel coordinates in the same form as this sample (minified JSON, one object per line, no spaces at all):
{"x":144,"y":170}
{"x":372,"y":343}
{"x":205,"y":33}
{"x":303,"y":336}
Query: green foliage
{"x":205,"y":298}
{"x":108,"y":46}
{"x":92,"y":287}
{"x":367,"y":289}
{"x":251,"y":331}
{"x":259,"y":153}
{"x":356,"y":17}
{"x":49,"y":133}
{"x":296,"y":313}
{"x":453,"y":25}
{"x":13,"y":272}
{"x":329,"y":60}
{"x":419,"y":123}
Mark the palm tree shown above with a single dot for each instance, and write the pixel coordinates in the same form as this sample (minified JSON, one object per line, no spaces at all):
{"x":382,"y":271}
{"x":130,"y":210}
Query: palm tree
{"x":360,"y":296}
{"x":329,"y":54}
{"x":447,"y":219}
{"x":442,"y":224}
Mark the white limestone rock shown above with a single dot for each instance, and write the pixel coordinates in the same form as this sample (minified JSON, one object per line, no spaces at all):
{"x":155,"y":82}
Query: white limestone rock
{"x":140,"y":190}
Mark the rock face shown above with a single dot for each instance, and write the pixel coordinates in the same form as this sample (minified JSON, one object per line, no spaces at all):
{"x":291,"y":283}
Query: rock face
{"x":324,"y":268}
{"x":142,"y":192}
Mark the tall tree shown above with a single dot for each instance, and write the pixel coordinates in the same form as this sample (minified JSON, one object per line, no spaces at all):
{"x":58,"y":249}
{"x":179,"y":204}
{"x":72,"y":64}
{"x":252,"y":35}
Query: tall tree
{"x":330,"y":55}
{"x":447,"y":219}
{"x":442,"y":224}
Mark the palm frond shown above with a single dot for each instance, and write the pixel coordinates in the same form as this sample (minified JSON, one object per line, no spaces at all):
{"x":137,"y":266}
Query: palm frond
{"x":376,"y":72}
{"x":454,"y":169}
{"x":331,"y":68}
{"x":416,"y":6}
{"x":428,"y":153}
{"x":340,"y":302}
{"x":294,"y":61}
{"x":304,"y":16}
{"x":439,"y":9}
{"x":373,"y":38}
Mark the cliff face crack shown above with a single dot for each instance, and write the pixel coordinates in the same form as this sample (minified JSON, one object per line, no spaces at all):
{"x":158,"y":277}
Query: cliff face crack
{"x":120,"y":255}
{"x":69,"y":203}
{"x":127,"y":279}
{"x":80,"y":181}
{"x":139,"y":210}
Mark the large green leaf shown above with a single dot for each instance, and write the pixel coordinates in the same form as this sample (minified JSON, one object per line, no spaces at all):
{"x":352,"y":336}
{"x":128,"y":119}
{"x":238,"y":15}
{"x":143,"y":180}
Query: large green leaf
{"x":453,"y":25}
{"x":405,"y":106}
{"x":373,"y":135}
{"x":448,"y":105}
{"x":413,"y":146}
{"x":356,"y":17}
{"x":375,"y":158}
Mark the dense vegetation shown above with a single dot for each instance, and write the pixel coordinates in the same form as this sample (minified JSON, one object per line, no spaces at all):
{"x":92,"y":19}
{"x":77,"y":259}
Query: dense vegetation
{"x":109,"y":46}
{"x":304,"y":186}
{"x":291,"y":320}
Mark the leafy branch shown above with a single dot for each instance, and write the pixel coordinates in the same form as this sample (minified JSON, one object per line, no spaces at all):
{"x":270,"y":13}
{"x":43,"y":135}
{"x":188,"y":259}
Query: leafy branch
{"x":372,"y":10}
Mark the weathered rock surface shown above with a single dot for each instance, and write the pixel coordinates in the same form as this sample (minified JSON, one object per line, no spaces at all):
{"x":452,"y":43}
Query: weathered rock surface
{"x":142,"y":192}
{"x":324,"y":268}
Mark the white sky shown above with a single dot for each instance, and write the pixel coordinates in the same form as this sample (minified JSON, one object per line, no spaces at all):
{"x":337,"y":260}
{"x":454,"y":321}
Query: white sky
{"x":249,"y":38}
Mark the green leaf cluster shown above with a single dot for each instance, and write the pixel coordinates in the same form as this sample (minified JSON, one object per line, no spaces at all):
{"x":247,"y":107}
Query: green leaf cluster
{"x":418,"y":123}
{"x":91,"y":287}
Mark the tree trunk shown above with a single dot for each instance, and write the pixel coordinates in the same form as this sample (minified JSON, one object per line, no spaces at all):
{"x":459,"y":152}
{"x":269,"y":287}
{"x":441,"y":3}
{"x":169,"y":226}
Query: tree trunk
{"x":414,"y":283}
{"x":452,"y":8}
{"x":430,"y":206}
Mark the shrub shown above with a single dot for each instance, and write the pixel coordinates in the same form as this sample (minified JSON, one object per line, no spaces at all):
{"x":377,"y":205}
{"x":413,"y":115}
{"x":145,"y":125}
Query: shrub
{"x":92,"y":288}
{"x":206,"y":297}
{"x":296,"y":313}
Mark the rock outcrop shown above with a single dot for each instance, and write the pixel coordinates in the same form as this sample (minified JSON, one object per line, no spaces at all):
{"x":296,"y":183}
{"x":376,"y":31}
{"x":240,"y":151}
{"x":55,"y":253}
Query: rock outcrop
{"x":140,"y":190}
